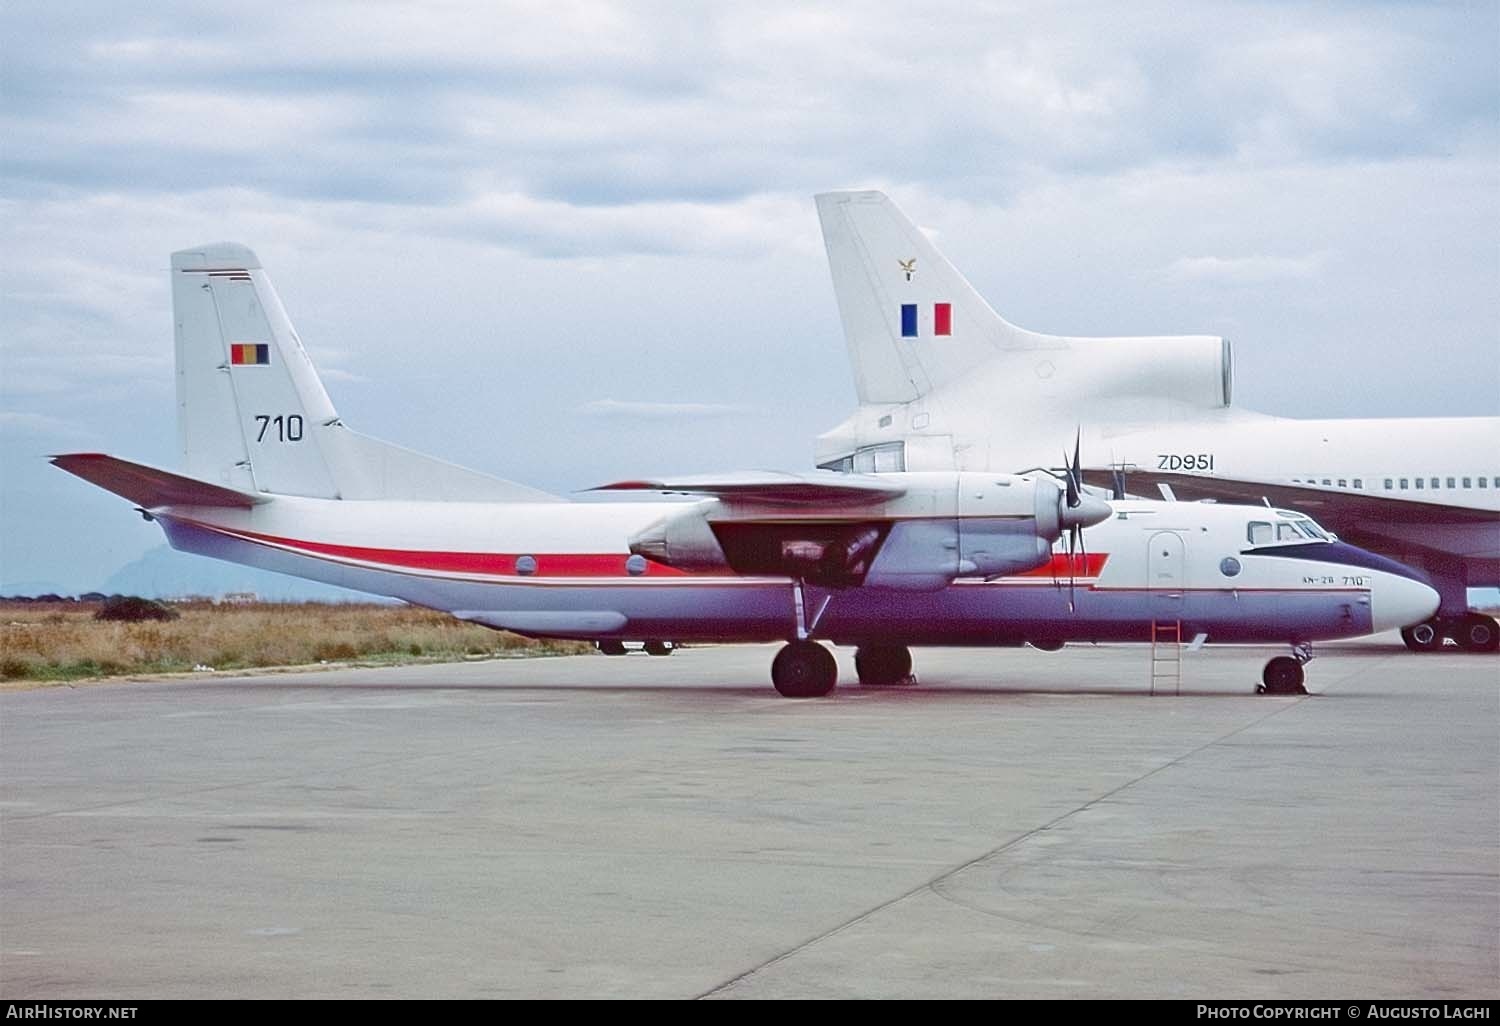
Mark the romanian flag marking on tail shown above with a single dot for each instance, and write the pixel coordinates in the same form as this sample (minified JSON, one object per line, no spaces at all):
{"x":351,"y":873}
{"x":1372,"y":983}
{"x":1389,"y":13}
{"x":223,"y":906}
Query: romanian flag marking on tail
{"x":249,"y":354}
{"x":908,"y":320}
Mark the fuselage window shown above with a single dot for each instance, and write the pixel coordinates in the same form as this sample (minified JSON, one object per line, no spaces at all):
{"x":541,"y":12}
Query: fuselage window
{"x":1286,"y":532}
{"x":1343,"y":483}
{"x":1359,"y":482}
{"x":1466,"y":482}
{"x":1259,"y":532}
{"x":1403,"y":484}
{"x":1435,"y":482}
{"x":1419,"y":482}
{"x":1326,"y":481}
{"x":1387,"y":484}
{"x":1450,"y":482}
{"x":1482,"y":484}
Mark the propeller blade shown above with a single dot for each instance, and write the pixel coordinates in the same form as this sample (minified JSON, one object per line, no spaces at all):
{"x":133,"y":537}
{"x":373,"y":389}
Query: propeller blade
{"x":1076,"y":470}
{"x":1072,"y":480}
{"x":1072,"y":567}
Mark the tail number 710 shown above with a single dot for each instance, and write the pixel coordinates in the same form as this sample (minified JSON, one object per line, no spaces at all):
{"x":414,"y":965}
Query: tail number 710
{"x":281,"y":428}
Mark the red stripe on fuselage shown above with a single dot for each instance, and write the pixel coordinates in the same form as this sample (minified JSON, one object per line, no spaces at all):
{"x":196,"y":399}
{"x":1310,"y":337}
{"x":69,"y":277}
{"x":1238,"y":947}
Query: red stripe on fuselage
{"x":565,"y":564}
{"x":1090,"y":565}
{"x":570,"y":564}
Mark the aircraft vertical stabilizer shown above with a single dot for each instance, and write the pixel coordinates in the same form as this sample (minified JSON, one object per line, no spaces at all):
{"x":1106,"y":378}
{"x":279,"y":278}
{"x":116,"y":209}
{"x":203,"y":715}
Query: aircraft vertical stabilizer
{"x":911,"y":320}
{"x":252,"y":414}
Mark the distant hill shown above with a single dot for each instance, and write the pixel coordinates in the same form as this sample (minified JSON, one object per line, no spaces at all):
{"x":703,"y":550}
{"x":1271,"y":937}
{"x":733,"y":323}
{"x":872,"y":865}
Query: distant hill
{"x":166,"y":573}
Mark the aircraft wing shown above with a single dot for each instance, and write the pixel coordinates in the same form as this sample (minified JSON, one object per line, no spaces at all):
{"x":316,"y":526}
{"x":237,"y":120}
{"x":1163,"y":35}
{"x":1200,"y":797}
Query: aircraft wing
{"x":1325,"y":505}
{"x":771,"y":487}
{"x":150,"y":487}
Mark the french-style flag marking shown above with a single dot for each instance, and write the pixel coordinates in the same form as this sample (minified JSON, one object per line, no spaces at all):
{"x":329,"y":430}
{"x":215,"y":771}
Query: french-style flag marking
{"x":249,"y":354}
{"x":942,"y":319}
{"x":908,"y":320}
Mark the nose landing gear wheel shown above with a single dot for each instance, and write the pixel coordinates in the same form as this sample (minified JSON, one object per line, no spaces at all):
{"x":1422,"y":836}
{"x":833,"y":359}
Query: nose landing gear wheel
{"x":659,"y":648}
{"x":1282,"y":676}
{"x":612,"y":647}
{"x":804,"y":669}
{"x":1423,"y":637}
{"x":883,"y":665}
{"x":1477,"y":633}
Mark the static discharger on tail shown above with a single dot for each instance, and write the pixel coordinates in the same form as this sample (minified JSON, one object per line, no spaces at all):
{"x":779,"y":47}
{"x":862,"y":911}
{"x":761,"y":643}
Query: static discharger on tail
{"x":272,"y":478}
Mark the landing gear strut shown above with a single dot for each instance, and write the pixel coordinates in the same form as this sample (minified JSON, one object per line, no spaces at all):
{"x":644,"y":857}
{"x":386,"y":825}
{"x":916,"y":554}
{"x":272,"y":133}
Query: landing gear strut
{"x":883,"y":665}
{"x":1283,"y":675}
{"x":804,"y":669}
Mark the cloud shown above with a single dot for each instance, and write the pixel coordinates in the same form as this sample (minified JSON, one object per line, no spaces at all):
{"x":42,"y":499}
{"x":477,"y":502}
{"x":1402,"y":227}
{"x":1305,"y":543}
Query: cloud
{"x":613,"y":104}
{"x":627,"y":409}
{"x":43,"y":425}
{"x":1246,"y":269}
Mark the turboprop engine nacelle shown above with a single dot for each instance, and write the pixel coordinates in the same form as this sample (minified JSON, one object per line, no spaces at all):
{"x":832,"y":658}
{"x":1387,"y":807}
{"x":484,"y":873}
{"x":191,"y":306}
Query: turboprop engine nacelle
{"x":683,"y":540}
{"x":909,"y":531}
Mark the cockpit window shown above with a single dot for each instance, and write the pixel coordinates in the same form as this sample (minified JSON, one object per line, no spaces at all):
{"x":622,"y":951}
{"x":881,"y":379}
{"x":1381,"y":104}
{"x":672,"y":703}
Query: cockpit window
{"x":1293,"y":529}
{"x":1312,"y":530}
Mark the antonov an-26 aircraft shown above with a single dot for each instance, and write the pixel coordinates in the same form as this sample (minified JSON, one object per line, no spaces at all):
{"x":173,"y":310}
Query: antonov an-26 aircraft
{"x":272,"y":478}
{"x":945,"y":383}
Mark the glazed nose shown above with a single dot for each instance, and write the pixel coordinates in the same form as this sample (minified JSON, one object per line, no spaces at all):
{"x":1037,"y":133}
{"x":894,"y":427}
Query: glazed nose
{"x":1397,"y":602}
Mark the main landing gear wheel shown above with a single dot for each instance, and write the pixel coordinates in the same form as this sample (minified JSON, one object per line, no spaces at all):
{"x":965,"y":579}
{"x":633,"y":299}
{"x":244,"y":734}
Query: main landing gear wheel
{"x":883,"y":665}
{"x":1426,"y":636}
{"x":1477,"y":633}
{"x":659,"y":648}
{"x":1282,"y":676}
{"x":804,"y":669}
{"x":611,"y":647}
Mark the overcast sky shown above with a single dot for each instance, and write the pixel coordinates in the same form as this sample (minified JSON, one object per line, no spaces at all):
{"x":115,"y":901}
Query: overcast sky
{"x":571,"y":242}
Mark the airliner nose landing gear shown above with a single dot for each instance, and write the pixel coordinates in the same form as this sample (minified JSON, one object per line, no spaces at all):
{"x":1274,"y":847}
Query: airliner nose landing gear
{"x":883,"y":665}
{"x":1423,"y":637}
{"x":1472,"y":632}
{"x":1476,"y":633}
{"x":1283,"y":675}
{"x":804,"y":669}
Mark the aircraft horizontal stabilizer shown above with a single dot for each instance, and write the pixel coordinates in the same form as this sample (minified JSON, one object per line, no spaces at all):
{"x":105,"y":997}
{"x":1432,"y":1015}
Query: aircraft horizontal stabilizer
{"x":150,"y":487}
{"x":773,"y":488}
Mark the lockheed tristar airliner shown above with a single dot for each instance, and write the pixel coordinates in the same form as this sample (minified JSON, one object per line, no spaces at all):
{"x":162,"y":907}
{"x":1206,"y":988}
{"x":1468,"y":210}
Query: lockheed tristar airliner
{"x":272,"y":478}
{"x":945,"y":383}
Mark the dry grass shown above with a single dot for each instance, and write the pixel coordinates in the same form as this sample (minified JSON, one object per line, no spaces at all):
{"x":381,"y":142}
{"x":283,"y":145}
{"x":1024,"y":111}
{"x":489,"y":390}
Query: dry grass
{"x":62,"y":641}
